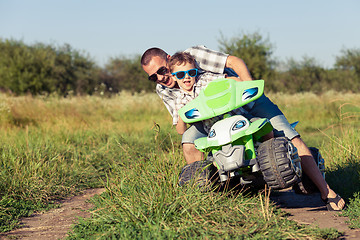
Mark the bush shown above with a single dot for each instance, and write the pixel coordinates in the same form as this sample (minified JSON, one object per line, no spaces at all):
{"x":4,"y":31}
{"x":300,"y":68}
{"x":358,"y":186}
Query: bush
{"x":44,"y":69}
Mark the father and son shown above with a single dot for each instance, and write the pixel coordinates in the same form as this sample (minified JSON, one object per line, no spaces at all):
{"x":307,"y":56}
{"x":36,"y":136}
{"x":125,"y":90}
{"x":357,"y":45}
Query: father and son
{"x":180,"y":78}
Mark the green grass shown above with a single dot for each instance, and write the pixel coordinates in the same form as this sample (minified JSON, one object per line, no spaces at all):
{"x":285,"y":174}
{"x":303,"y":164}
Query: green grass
{"x":52,"y":148}
{"x":146,"y":203}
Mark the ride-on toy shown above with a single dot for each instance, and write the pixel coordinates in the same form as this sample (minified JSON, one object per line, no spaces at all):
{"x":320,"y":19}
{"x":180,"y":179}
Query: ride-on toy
{"x":234,"y":143}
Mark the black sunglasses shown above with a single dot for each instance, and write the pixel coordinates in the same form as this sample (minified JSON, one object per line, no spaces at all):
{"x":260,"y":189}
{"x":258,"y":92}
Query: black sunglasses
{"x":161,"y":71}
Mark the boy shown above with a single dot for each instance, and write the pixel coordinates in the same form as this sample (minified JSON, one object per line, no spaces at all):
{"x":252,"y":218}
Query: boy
{"x":190,"y":80}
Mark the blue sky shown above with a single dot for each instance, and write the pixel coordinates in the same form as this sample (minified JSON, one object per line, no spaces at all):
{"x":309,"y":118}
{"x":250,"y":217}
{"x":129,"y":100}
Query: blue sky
{"x":109,"y":28}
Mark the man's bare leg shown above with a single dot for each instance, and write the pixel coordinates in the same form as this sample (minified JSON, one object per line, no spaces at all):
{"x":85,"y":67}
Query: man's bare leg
{"x":310,"y":168}
{"x":191,"y":154}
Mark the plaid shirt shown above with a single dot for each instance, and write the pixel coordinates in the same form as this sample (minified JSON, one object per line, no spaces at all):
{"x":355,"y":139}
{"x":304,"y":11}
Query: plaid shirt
{"x":207,"y":60}
{"x":168,"y":96}
{"x":202,"y":80}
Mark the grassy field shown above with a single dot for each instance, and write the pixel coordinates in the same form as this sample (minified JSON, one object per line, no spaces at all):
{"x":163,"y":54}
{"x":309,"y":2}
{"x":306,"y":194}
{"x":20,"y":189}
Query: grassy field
{"x":53,"y":147}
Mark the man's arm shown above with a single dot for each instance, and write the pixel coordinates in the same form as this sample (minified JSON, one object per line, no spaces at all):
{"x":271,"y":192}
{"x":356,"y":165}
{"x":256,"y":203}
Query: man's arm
{"x":215,"y":62}
{"x":239,"y":66}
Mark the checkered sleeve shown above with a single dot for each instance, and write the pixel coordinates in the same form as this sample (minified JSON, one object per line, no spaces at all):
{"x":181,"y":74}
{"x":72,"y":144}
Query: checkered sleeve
{"x":175,"y":117}
{"x":207,"y":59}
{"x":179,"y":103}
{"x":168,"y":99}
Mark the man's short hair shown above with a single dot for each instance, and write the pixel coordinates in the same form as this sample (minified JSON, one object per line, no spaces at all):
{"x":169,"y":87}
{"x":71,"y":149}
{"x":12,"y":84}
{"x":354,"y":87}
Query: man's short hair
{"x":180,"y":58}
{"x":152,"y":52}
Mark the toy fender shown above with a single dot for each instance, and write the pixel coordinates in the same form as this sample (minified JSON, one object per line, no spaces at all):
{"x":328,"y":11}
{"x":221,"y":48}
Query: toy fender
{"x":219,"y":97}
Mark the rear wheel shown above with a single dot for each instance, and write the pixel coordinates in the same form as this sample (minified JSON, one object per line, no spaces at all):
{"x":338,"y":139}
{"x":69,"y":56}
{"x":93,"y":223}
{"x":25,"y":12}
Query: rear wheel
{"x":279,"y":163}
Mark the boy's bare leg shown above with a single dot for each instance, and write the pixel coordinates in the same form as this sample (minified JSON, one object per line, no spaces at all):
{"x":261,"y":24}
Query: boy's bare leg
{"x":310,"y":168}
{"x":191,"y":154}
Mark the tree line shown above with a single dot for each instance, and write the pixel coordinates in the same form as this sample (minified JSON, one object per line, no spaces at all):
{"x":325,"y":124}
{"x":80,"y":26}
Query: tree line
{"x":47,"y":69}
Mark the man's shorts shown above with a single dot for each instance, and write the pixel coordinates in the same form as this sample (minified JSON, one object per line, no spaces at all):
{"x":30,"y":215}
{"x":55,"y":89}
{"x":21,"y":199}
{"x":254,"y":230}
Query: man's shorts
{"x":263,"y":108}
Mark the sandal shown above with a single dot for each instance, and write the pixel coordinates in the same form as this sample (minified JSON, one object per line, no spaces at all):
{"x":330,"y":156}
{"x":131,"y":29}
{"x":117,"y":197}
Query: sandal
{"x":335,"y":200}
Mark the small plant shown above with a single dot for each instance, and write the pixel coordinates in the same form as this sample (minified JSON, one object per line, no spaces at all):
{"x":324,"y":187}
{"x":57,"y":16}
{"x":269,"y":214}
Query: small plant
{"x":353,"y":211}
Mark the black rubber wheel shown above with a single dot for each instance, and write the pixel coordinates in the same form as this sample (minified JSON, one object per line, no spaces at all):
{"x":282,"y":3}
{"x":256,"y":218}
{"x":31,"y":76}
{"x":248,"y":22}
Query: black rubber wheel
{"x":279,"y":163}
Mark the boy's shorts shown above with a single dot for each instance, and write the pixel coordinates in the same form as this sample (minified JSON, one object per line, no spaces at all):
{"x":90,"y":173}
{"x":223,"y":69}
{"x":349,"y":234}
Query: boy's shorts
{"x":263,"y":108}
{"x":195,"y":131}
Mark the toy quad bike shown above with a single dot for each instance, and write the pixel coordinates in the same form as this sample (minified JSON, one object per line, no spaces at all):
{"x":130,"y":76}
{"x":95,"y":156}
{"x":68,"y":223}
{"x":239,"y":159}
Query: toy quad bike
{"x":233,"y":142}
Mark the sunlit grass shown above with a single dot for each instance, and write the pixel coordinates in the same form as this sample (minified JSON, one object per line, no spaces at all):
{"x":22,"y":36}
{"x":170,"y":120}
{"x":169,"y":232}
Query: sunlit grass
{"x":53,"y":147}
{"x":119,"y":112}
{"x":319,"y":116}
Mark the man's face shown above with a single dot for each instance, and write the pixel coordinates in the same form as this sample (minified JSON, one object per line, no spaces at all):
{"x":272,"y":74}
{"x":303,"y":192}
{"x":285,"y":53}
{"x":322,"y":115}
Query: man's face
{"x":186,"y":82}
{"x":152,"y":68}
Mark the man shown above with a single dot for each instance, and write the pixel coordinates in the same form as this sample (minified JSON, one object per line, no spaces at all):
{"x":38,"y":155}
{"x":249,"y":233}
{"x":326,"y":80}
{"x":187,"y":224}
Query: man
{"x":155,"y":63}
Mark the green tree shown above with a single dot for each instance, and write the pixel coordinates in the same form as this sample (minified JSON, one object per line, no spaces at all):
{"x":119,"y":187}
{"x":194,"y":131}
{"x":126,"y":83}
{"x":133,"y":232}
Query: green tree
{"x":349,"y":60}
{"x":41,"y":68}
{"x":125,"y":73}
{"x":348,"y":69}
{"x":25,"y":69}
{"x":74,"y":71}
{"x":254,"y":50}
{"x":306,"y":75}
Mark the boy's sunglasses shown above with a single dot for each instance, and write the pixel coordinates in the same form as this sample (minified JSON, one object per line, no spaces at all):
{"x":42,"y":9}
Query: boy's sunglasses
{"x":181,"y":74}
{"x":161,"y":71}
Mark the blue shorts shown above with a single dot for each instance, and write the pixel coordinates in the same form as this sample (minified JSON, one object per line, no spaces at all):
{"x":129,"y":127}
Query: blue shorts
{"x":263,"y":108}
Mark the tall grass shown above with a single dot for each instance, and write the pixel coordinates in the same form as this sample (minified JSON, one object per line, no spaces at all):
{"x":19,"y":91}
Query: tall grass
{"x":54,"y":147}
{"x":331,"y":122}
{"x":320,"y":116}
{"x":144,"y":202}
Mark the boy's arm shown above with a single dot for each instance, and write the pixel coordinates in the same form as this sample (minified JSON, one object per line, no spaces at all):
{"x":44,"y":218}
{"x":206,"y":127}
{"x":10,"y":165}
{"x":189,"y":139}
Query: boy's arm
{"x":239,"y":66}
{"x":181,"y":126}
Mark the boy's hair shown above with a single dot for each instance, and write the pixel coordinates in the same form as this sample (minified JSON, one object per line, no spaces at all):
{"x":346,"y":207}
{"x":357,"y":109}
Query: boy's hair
{"x":180,"y":58}
{"x":150,"y":53}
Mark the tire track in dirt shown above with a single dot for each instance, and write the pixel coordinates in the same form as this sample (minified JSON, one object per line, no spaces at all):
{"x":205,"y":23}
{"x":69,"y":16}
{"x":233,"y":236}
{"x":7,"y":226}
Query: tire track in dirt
{"x":310,"y":210}
{"x":56,"y":223}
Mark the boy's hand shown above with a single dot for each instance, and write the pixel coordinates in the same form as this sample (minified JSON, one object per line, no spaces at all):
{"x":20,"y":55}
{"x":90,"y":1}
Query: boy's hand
{"x":181,"y":126}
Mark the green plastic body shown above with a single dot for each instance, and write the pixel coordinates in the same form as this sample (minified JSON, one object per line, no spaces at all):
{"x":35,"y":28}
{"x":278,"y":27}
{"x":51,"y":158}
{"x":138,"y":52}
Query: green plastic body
{"x":219,"y":97}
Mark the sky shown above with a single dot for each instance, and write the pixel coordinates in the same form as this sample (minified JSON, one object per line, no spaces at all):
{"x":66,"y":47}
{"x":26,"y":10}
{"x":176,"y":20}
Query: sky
{"x":106,"y":29}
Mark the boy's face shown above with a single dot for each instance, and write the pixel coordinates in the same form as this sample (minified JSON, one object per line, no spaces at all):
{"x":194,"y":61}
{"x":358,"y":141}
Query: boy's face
{"x":186,"y":83}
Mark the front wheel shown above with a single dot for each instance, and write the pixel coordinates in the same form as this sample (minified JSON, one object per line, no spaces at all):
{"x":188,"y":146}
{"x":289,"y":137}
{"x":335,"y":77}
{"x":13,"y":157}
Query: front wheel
{"x":279,"y":163}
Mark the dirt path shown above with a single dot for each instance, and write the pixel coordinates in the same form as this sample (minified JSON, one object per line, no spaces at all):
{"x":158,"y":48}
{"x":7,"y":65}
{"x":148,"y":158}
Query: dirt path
{"x":54,"y":224}
{"x":310,"y":210}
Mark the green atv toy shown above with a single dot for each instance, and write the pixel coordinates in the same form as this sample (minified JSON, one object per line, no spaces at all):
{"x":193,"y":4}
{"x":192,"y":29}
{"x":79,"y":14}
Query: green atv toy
{"x":234,"y":144}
